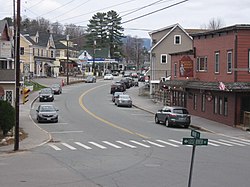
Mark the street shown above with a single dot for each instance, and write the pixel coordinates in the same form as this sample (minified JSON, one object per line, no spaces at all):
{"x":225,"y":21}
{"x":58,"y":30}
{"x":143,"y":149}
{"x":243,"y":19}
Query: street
{"x":96,"y":143}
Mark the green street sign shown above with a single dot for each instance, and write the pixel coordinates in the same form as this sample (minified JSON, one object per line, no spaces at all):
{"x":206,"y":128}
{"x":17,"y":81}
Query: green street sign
{"x":194,"y":141}
{"x":195,"y":134}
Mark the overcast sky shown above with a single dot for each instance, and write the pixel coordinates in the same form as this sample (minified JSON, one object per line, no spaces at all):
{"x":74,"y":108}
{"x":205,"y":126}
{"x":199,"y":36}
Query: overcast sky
{"x":189,"y":13}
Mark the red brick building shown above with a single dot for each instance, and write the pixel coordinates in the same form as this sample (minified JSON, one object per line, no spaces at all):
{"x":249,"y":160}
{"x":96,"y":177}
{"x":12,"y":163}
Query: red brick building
{"x":213,"y":79}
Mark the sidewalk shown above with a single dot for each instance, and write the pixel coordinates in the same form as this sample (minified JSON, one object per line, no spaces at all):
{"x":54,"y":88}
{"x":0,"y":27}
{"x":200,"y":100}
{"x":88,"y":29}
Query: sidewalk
{"x":37,"y":136}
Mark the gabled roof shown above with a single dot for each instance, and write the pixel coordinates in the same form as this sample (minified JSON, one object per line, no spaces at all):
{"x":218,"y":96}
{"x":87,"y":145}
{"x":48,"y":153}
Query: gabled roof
{"x":172,"y":28}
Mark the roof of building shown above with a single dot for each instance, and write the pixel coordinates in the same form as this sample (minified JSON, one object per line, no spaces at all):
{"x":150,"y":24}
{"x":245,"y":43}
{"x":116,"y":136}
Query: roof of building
{"x":224,"y":29}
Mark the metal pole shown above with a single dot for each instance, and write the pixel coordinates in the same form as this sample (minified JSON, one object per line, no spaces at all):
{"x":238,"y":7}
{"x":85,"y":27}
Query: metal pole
{"x":191,"y":167}
{"x":67,"y":38}
{"x":17,"y":63}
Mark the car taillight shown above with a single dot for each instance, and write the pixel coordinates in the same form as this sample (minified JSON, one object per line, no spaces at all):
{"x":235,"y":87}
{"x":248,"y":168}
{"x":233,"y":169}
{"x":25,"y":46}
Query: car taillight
{"x":172,"y":115}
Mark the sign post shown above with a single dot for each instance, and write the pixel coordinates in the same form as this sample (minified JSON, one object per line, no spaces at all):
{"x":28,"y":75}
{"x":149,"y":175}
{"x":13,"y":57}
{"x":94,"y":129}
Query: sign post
{"x":195,"y":141}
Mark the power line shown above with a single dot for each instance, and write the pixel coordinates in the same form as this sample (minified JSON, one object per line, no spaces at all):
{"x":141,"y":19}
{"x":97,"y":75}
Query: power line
{"x":36,"y":4}
{"x":144,"y":15}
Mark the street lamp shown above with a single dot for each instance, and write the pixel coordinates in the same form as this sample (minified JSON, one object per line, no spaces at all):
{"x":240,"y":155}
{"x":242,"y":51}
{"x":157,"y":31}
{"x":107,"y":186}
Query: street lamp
{"x":67,"y":38}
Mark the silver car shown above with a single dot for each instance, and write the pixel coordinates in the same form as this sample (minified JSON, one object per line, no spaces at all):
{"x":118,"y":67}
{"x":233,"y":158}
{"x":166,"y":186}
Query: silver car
{"x":47,"y":113}
{"x":124,"y":100}
{"x":173,"y":116}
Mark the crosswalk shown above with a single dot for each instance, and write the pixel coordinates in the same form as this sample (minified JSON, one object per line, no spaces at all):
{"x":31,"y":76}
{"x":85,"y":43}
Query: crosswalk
{"x":133,"y":144}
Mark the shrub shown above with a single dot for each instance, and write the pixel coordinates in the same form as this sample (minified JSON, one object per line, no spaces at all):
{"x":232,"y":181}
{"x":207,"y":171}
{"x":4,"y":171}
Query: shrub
{"x":7,"y":116}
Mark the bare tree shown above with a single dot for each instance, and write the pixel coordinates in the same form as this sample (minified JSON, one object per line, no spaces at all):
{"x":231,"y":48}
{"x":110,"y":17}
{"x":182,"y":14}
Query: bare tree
{"x":213,"y":24}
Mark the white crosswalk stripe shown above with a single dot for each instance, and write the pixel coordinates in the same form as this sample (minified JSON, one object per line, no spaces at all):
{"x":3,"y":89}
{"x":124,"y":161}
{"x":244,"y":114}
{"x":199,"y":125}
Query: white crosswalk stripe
{"x":98,"y":145}
{"x":167,"y":143}
{"x":242,"y":142}
{"x":126,"y":144}
{"x":69,"y":146}
{"x":147,"y":144}
{"x":82,"y":145}
{"x":217,"y":142}
{"x":111,"y":144}
{"x":138,"y":143}
{"x":153,"y":143}
{"x":55,"y":147}
{"x":230,"y":142}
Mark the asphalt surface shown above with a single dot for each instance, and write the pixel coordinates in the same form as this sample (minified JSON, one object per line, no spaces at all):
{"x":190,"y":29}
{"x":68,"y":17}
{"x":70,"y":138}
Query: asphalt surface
{"x":37,"y":136}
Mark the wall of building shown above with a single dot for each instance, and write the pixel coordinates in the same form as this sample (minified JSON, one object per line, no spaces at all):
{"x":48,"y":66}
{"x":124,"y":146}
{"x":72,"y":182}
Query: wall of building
{"x":209,"y":107}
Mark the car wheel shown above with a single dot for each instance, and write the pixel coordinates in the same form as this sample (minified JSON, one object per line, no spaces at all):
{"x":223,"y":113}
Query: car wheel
{"x":157,"y":120}
{"x":167,"y":123}
{"x":186,"y":126}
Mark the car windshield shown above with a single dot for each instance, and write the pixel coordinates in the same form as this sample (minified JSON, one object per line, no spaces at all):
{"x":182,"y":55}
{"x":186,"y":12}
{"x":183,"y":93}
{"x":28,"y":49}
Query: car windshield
{"x":46,"y":91}
{"x":124,"y":96}
{"x":180,"y":111}
{"x":55,"y":86}
{"x":47,"y":108}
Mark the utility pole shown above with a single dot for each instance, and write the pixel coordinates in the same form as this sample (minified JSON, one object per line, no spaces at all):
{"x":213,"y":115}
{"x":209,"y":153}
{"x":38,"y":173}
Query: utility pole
{"x":67,"y":38}
{"x":17,"y":66}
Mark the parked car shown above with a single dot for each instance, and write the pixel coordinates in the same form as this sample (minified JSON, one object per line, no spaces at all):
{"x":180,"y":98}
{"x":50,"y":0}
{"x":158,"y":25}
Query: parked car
{"x":57,"y":89}
{"x":47,"y":113}
{"x":117,"y":87}
{"x":116,"y":95}
{"x":108,"y":77}
{"x":46,"y":94}
{"x":115,"y":73}
{"x":124,"y":100}
{"x":90,"y":79}
{"x":173,"y":116}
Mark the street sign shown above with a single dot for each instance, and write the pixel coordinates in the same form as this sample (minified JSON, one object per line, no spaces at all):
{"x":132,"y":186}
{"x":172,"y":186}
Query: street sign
{"x":195,"y":134}
{"x":194,"y":141}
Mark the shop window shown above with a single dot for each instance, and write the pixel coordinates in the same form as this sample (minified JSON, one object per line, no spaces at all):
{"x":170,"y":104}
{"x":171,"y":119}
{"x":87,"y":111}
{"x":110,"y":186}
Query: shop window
{"x":225,"y":106}
{"x":195,"y":102}
{"x":203,"y":102}
{"x":220,"y":106}
{"x":215,"y":105}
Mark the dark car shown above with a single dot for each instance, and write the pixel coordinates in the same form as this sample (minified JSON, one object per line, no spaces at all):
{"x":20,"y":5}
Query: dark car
{"x":47,"y":113}
{"x":116,"y":95}
{"x":46,"y":94}
{"x":116,"y":87}
{"x":57,"y":89}
{"x":124,"y":100}
{"x":173,"y":116}
{"x":90,"y":79}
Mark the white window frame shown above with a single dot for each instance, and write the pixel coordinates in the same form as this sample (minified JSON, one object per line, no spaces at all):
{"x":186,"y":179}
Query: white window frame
{"x":175,"y":39}
{"x":166,"y":58}
{"x":217,"y":62}
{"x":198,"y":65}
{"x":229,"y":61}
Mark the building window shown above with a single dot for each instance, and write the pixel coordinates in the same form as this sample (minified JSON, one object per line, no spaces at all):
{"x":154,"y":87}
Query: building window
{"x":9,"y":96}
{"x":217,"y":62}
{"x":21,"y":50}
{"x":220,"y":106}
{"x":164,"y":59}
{"x":41,"y":52}
{"x":52,"y":54}
{"x":38,"y":52}
{"x":177,"y":39}
{"x":33,"y":52}
{"x":216,"y":105}
{"x":203,"y":102}
{"x":229,"y":61}
{"x":175,"y":69}
{"x":195,"y":102}
{"x":201,"y":64}
{"x":225,"y":106}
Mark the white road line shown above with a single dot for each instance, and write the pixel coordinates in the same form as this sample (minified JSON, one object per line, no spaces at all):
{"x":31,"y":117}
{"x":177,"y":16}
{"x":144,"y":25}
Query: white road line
{"x":213,"y":144}
{"x":138,"y":143}
{"x":153,"y":143}
{"x":246,"y":143}
{"x":82,"y":145}
{"x":69,"y":146}
{"x":55,"y":147}
{"x":128,"y":145}
{"x":98,"y":145}
{"x":111,"y":144}
{"x":222,"y":143}
{"x":234,"y":143}
{"x":161,"y":141}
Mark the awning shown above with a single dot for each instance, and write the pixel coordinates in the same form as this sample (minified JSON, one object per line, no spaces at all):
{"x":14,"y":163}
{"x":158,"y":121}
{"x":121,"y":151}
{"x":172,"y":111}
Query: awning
{"x":50,"y":64}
